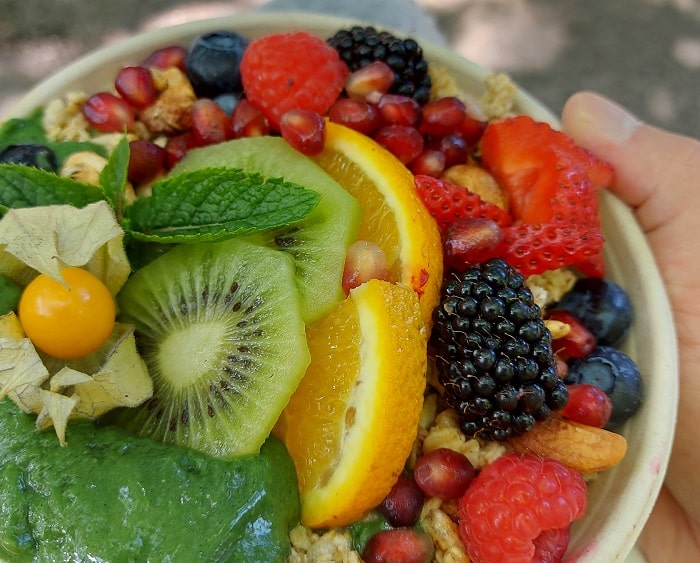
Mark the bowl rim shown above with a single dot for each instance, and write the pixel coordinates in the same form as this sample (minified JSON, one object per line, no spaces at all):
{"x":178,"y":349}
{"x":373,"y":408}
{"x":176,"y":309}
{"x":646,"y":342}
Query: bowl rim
{"x":662,"y":334}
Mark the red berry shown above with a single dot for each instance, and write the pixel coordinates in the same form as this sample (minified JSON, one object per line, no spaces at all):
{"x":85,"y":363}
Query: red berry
{"x":404,"y":142}
{"x":471,"y":240}
{"x":472,"y":129}
{"x":210,"y":124}
{"x":304,"y":130}
{"x":297,"y":70}
{"x":448,"y":202}
{"x":533,"y":249}
{"x":404,"y":545}
{"x":454,"y":147}
{"x":167,"y":57}
{"x":248,"y":121}
{"x":177,"y":147}
{"x":529,"y":495}
{"x":355,"y":114}
{"x":147,"y":161}
{"x":135,"y":85}
{"x":430,"y":162}
{"x":578,"y":342}
{"x":108,"y":113}
{"x":403,"y":504}
{"x":364,"y":261}
{"x":443,"y":116}
{"x":443,"y":473}
{"x":588,"y":404}
{"x":370,"y":82}
{"x":399,"y":110}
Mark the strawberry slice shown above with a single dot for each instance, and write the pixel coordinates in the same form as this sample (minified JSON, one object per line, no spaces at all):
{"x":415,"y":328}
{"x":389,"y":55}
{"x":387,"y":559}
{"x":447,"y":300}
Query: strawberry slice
{"x":534,"y":248}
{"x":447,"y":202}
{"x":548,"y":177}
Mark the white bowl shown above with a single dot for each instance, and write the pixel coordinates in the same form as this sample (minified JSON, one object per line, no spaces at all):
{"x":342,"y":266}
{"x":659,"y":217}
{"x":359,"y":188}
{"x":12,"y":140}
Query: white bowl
{"x":620,"y":499}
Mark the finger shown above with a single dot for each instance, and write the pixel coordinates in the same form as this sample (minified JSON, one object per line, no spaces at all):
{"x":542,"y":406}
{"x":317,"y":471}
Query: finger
{"x":655,"y":171}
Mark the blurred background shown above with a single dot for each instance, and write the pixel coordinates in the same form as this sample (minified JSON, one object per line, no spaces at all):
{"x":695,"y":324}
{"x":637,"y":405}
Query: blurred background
{"x":643,"y":53}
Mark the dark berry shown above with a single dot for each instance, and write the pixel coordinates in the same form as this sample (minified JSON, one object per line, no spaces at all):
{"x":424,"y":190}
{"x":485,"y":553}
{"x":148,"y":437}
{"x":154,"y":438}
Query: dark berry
{"x":30,"y":154}
{"x":493,"y":352}
{"x":212,"y":63}
{"x":602,"y":306}
{"x":360,"y":46}
{"x":616,"y":374}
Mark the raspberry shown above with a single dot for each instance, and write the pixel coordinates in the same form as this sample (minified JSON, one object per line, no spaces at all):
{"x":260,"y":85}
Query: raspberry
{"x":514,"y":505}
{"x":448,"y":202}
{"x":296,"y":70}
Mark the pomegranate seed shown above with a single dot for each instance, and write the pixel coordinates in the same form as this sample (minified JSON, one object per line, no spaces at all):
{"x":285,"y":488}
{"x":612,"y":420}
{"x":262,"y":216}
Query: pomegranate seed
{"x":405,"y":545}
{"x":210,"y":124}
{"x":248,"y":121}
{"x":370,"y":82}
{"x":108,"y":113}
{"x":135,"y":85}
{"x":167,"y":57}
{"x":403,"y":504}
{"x":551,"y":545}
{"x":355,"y":114}
{"x":443,"y":116}
{"x":177,"y":147}
{"x":147,"y":161}
{"x":364,"y":261}
{"x":399,"y":110}
{"x":304,"y":130}
{"x":454,"y":147}
{"x":471,"y":240}
{"x":405,"y":143}
{"x":562,"y":366}
{"x":588,"y":404}
{"x":578,"y":342}
{"x":472,"y":129}
{"x":430,"y":162}
{"x":444,"y":473}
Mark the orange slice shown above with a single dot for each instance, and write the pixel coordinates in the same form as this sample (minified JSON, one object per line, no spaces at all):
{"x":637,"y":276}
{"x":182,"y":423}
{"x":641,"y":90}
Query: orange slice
{"x":394,"y":216}
{"x":352,"y":422}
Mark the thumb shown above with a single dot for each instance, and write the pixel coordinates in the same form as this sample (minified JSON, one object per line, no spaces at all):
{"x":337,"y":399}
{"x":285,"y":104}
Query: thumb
{"x":655,"y":171}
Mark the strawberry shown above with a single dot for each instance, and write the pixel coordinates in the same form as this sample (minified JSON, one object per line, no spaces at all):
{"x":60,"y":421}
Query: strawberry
{"x":532,"y":249}
{"x":548,"y":177}
{"x":448,"y":202}
{"x":296,"y":70}
{"x":552,"y":185}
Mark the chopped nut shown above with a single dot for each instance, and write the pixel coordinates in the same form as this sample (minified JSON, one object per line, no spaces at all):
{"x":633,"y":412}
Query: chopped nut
{"x":171,"y":112}
{"x":444,"y":533}
{"x":84,"y":166}
{"x":557,"y":329}
{"x":479,"y":181}
{"x":331,"y":546}
{"x":551,"y":285}
{"x":499,"y":99}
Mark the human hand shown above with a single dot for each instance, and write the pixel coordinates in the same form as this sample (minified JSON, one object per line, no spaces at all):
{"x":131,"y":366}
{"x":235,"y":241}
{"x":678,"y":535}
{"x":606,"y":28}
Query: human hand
{"x":657,"y":174}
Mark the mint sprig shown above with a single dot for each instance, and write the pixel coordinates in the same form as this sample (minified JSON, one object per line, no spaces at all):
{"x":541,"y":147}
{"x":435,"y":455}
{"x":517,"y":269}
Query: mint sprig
{"x":113,"y":178}
{"x":25,"y":186}
{"x":216,"y":203}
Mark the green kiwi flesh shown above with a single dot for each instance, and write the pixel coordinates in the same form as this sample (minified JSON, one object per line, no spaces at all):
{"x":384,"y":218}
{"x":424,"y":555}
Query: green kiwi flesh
{"x":219,"y":326}
{"x":319,"y":243}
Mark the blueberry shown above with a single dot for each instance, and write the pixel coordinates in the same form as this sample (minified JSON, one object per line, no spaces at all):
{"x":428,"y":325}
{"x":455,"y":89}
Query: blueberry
{"x":602,"y":306}
{"x":616,"y":374}
{"x":227,"y":102}
{"x":30,"y":154}
{"x":212,"y":63}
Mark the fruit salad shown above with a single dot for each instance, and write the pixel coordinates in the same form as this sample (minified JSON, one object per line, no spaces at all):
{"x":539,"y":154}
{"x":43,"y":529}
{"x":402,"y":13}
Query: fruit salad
{"x":308,"y":287}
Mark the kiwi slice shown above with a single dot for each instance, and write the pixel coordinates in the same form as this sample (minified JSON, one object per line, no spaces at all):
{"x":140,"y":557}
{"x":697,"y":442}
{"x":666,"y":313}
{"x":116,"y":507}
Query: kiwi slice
{"x":219,"y":326}
{"x":318,"y":243}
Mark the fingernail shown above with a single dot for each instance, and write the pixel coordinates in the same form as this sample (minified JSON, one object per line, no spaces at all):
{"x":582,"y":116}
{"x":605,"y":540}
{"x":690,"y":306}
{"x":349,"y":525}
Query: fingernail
{"x":594,"y":114}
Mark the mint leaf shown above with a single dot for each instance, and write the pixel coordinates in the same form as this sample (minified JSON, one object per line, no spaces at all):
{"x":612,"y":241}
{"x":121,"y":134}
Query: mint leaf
{"x":25,"y":186}
{"x":114,"y":176}
{"x":216,"y":203}
{"x":22,"y":130}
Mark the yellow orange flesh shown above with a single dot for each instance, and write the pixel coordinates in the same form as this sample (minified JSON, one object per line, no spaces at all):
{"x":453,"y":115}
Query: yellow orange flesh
{"x":351,"y":424}
{"x":394,"y":217}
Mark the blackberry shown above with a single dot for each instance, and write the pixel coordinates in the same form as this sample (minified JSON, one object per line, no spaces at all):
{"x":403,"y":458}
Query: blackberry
{"x":494,"y":354}
{"x":359,"y":46}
